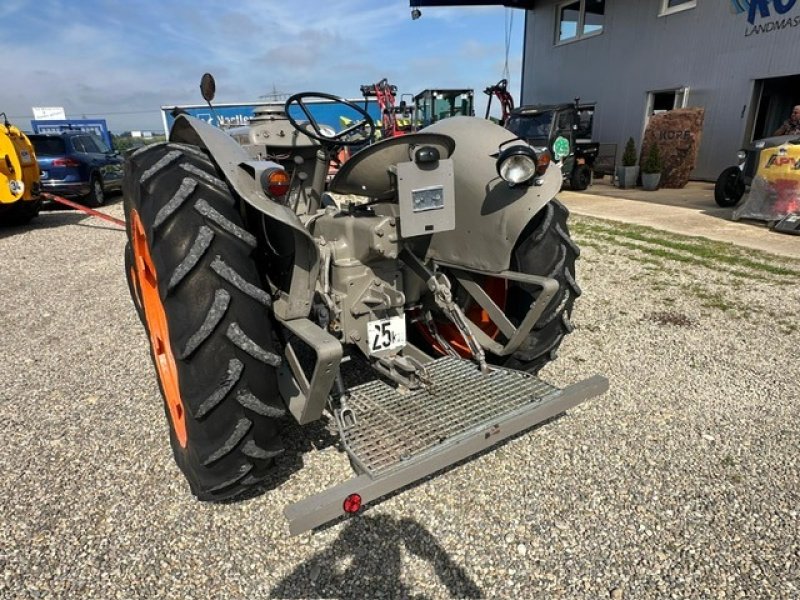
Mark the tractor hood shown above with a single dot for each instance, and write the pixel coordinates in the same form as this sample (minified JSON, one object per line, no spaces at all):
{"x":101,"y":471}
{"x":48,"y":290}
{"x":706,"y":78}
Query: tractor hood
{"x":367,"y":172}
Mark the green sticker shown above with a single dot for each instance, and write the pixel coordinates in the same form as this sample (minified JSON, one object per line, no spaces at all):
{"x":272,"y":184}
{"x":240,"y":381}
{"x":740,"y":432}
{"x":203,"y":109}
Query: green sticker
{"x":560,"y":148}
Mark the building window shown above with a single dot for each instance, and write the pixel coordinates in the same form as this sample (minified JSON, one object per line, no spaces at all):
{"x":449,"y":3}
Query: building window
{"x":585,"y":121}
{"x":669,"y":7}
{"x":576,"y":20}
{"x":664,"y":100}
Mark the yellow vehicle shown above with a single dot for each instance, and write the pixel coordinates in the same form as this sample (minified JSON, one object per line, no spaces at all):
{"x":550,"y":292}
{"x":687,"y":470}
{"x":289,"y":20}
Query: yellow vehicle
{"x":19,"y":176}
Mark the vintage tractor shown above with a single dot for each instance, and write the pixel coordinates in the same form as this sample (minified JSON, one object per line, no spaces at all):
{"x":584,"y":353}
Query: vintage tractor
{"x":413,"y":300}
{"x":19,"y":176}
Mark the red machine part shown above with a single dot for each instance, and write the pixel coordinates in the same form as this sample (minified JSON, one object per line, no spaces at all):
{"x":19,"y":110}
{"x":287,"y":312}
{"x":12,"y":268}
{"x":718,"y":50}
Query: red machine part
{"x":497,"y":289}
{"x":384,"y":94}
{"x":86,"y":209}
{"x":500,"y":91}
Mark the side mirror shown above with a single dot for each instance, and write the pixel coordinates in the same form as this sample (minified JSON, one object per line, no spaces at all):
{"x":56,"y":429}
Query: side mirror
{"x":208,"y":87}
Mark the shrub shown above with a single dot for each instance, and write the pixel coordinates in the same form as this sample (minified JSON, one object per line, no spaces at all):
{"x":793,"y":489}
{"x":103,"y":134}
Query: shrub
{"x":629,"y":156}
{"x":652,"y":164}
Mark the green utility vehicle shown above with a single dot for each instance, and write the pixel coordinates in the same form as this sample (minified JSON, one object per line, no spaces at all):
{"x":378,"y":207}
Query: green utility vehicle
{"x":433,"y":105}
{"x":564,"y":133}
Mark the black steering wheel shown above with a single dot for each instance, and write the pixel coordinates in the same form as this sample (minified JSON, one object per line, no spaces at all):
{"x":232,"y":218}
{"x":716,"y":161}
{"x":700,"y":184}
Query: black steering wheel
{"x":365,"y":128}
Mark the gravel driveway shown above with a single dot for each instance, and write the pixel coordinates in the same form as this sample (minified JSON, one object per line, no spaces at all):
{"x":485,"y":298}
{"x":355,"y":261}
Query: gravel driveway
{"x":682,"y":481}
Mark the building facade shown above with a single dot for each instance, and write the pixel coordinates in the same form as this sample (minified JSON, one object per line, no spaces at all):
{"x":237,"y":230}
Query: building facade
{"x":738,"y":59}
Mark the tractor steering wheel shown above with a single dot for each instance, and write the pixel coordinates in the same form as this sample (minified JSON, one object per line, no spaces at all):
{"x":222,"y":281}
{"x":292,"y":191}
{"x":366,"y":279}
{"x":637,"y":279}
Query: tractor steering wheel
{"x":345,"y":137}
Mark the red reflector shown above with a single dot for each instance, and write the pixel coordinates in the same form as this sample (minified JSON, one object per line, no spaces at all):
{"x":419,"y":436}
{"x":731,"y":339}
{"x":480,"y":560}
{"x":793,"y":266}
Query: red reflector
{"x":352,"y":504}
{"x":276,"y":182}
{"x":66,"y":162}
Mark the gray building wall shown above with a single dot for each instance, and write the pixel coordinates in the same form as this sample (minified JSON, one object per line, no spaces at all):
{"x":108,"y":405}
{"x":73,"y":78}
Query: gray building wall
{"x":705,"y":48}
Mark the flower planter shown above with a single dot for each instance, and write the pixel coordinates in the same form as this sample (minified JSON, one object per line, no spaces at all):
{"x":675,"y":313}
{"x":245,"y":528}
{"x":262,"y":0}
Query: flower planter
{"x":627,"y":176}
{"x":650,"y":181}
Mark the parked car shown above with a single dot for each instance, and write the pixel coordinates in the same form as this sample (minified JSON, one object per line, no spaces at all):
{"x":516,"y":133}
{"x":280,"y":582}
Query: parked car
{"x":79,"y":165}
{"x":733,"y":182}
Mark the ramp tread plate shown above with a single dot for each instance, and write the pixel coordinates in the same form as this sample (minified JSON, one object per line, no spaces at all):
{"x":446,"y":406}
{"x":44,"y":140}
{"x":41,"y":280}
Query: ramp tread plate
{"x":392,"y":427}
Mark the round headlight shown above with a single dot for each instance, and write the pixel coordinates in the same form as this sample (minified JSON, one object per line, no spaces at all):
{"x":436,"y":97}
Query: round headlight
{"x":741,"y":154}
{"x":517,"y":164}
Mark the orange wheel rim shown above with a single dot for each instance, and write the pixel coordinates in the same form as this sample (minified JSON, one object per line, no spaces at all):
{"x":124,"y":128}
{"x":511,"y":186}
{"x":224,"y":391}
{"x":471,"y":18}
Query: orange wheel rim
{"x":156,"y":319}
{"x":497,"y":289}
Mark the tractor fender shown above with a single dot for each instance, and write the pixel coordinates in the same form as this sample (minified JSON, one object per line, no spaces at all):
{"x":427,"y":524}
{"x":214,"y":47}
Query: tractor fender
{"x":490,"y":215}
{"x":236,"y":166}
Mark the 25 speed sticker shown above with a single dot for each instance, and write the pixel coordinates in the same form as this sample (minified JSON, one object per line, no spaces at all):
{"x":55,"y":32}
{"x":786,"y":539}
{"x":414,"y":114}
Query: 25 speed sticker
{"x":386,"y":334}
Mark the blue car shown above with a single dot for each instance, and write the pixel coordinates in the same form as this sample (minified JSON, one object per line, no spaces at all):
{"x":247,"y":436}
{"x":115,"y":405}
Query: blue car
{"x":77,"y":165}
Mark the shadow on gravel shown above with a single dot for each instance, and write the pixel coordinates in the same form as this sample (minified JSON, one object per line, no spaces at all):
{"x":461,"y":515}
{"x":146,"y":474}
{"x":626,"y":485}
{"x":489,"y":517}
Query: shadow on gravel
{"x":55,"y":215}
{"x":365,"y":562}
{"x":298,"y":441}
{"x":43,"y":221}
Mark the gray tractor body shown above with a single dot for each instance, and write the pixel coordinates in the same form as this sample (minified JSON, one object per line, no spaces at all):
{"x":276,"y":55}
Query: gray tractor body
{"x":366,"y":249}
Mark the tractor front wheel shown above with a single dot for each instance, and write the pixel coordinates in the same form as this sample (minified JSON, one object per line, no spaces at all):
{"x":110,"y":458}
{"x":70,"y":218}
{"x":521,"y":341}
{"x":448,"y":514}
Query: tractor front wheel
{"x":193,"y":279}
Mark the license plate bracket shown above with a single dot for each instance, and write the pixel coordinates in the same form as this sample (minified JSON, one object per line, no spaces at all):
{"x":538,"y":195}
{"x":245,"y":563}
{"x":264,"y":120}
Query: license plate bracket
{"x":384,"y":335}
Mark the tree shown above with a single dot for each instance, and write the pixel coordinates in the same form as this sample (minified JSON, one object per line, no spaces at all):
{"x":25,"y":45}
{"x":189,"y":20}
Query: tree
{"x":629,"y":156}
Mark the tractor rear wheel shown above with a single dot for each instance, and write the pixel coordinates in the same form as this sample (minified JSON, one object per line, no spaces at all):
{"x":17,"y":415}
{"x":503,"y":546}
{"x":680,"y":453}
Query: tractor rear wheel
{"x":133,"y":286}
{"x":545,"y":248}
{"x":192,"y":275}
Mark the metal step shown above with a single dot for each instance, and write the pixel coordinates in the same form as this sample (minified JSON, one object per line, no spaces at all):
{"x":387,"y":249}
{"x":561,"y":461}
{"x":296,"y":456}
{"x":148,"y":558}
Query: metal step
{"x":395,"y":438}
{"x":392,"y":428}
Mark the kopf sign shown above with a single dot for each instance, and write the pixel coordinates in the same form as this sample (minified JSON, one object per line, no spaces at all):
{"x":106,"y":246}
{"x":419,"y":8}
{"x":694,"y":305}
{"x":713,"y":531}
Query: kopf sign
{"x":762,"y":6}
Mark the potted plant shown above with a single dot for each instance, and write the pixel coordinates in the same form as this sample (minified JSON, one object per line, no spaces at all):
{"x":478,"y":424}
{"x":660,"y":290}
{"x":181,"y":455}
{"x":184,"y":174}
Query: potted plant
{"x":651,"y":169}
{"x":628,"y":172}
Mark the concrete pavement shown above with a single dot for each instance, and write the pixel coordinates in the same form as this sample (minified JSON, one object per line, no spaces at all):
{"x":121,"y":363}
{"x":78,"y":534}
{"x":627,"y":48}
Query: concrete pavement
{"x":688,"y":211}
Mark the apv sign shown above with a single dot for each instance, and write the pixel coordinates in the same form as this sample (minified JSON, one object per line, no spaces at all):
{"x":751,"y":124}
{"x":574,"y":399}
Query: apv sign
{"x":767,"y":16}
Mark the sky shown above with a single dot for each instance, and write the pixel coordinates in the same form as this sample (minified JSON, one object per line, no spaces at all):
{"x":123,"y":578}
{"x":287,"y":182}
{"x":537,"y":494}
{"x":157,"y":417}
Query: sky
{"x":122,"y":60}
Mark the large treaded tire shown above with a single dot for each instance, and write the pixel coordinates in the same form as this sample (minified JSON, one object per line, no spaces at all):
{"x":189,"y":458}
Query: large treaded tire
{"x":545,"y":248}
{"x":133,"y":288}
{"x":219,"y":323}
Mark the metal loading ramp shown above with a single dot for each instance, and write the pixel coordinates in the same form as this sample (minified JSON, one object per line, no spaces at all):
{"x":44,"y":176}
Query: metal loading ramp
{"x":395,"y":438}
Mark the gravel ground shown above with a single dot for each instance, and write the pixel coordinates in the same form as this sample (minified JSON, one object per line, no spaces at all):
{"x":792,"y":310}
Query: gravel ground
{"x":682,"y":481}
